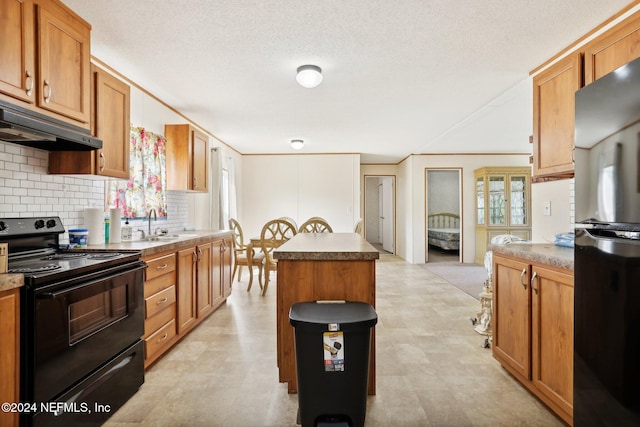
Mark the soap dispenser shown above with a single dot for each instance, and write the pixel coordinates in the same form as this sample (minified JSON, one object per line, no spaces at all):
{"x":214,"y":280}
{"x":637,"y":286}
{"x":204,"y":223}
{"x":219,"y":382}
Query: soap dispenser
{"x":127,"y":231}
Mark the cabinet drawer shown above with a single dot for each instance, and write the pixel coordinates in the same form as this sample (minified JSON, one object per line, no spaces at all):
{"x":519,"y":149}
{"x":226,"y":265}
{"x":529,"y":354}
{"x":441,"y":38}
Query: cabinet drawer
{"x":160,"y":266}
{"x":157,"y":341}
{"x":158,"y":320}
{"x":160,"y":301}
{"x":153,"y":286}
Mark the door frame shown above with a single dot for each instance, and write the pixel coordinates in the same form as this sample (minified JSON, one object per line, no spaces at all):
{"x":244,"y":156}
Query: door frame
{"x":460,"y":210}
{"x":392,"y":205}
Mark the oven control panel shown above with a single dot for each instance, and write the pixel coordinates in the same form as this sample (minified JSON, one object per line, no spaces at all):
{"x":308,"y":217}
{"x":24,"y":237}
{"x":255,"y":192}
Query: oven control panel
{"x":25,"y":226}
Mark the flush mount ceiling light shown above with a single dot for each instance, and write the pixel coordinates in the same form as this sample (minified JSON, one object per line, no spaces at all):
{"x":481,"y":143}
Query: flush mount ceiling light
{"x":309,"y":76}
{"x":297,"y":144}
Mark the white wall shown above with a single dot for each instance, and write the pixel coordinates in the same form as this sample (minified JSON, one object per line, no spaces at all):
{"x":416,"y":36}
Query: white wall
{"x":468,"y":163}
{"x":300,"y":186}
{"x":560,"y":194}
{"x":443,"y":190}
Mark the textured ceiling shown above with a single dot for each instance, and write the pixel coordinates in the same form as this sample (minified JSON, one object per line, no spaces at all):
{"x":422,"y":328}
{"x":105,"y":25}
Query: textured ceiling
{"x":400,"y":77}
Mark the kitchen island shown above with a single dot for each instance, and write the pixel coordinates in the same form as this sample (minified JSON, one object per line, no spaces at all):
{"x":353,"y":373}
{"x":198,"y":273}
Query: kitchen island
{"x":321,"y":266}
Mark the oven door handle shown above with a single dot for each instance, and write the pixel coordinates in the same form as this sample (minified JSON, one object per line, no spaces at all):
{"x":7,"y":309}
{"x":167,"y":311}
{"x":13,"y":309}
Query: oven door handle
{"x":54,"y":295}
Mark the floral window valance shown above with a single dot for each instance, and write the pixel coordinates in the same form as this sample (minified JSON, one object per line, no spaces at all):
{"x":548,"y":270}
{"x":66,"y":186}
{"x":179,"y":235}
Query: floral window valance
{"x":146,"y":187}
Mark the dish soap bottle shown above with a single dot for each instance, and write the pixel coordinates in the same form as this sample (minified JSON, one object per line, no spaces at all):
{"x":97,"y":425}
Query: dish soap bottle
{"x":127,"y":231}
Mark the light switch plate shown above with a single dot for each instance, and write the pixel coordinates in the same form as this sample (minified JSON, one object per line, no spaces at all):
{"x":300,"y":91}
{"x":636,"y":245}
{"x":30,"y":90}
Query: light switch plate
{"x":547,"y":208}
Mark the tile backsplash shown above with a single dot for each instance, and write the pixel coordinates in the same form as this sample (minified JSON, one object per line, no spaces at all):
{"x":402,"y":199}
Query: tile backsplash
{"x":27,"y":190}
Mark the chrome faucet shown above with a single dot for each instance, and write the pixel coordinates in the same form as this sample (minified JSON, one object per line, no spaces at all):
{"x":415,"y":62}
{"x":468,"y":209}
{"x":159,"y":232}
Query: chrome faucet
{"x":155,"y":217}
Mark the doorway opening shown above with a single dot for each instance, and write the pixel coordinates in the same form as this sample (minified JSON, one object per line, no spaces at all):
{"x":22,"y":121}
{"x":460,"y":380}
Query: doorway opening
{"x":380,"y":212}
{"x":443,"y":215}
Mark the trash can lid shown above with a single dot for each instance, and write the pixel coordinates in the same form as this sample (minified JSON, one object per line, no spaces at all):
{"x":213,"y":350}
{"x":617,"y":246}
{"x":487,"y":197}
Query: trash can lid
{"x":325,"y":314}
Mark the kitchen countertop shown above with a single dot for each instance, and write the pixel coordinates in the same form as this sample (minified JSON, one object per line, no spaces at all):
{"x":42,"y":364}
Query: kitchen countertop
{"x":543,"y":253}
{"x":327,"y":247}
{"x":170,"y":242}
{"x":173,"y":241}
{"x":10,"y":281}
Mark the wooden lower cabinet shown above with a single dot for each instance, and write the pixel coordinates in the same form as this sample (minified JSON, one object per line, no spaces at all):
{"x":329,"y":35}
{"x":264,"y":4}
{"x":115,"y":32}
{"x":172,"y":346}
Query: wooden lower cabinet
{"x":533,"y":329}
{"x":9,"y":360}
{"x":187,"y":313}
{"x":160,"y":306}
{"x":200,"y":273}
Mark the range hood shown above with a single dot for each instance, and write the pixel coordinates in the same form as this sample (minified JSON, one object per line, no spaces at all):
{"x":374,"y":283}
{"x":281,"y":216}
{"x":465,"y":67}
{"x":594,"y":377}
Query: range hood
{"x":32,"y":129}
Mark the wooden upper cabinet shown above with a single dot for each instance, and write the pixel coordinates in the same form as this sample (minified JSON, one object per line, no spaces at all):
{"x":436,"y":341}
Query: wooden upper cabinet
{"x":110,"y":121}
{"x":64,"y":62}
{"x":612,"y":49}
{"x":187,"y":158}
{"x":17,"y":50}
{"x":45,"y":50}
{"x":554,"y":116}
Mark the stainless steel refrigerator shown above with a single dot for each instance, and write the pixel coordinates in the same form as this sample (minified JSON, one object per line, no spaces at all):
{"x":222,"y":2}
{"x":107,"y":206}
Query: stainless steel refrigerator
{"x":607,"y":251}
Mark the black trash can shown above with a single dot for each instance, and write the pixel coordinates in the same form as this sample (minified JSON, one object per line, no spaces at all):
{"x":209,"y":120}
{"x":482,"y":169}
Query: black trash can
{"x":332,"y":343}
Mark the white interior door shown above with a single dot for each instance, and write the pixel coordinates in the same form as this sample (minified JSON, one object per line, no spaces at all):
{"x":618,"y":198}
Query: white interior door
{"x":387,"y":215}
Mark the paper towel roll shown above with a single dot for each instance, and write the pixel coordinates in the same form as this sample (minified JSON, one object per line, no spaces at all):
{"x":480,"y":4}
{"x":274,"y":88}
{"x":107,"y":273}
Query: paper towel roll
{"x":94,"y":221}
{"x":115,"y":225}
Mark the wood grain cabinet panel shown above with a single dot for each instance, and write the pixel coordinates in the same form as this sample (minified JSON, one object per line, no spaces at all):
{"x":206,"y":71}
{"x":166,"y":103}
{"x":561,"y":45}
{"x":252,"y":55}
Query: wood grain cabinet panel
{"x":110,"y":121}
{"x":612,"y":49}
{"x":17,"y":50}
{"x":9,"y":355}
{"x":187,"y":158}
{"x":187,"y":314}
{"x":554,"y":116}
{"x":45,"y":65}
{"x":533,"y":329}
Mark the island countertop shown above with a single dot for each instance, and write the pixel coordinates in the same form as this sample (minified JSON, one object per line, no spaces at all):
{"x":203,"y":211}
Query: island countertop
{"x":326,"y":247}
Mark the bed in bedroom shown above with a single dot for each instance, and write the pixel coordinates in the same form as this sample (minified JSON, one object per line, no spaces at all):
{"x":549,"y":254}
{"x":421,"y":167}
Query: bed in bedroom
{"x":444,"y":230}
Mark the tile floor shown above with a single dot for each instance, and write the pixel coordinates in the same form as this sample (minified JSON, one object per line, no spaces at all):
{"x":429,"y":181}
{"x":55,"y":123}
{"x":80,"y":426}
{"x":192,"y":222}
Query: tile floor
{"x":431,"y":369}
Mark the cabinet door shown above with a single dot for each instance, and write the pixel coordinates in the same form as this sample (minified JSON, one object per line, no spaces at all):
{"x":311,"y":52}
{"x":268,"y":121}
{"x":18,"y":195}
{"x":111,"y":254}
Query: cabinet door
{"x":217,"y":267}
{"x":204,"y":280}
{"x":227,"y":250}
{"x":512,"y":315}
{"x":200,"y":154}
{"x":64,"y":64}
{"x":552,"y":337}
{"x":554,"y":116}
{"x":17,"y":50}
{"x":112,"y":123}
{"x":9,"y":356}
{"x":186,"y":289}
{"x":612,"y":49}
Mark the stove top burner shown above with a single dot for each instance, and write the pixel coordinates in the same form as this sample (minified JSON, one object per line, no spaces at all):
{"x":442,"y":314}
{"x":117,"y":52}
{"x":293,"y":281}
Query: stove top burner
{"x":39,"y":269}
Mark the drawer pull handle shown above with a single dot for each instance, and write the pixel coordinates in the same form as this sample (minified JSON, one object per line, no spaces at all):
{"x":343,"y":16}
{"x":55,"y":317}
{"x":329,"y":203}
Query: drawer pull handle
{"x":164,"y":337}
{"x":162,"y":301}
{"x":162,"y":267}
{"x":524,"y":283}
{"x":533,"y":277}
{"x":103,"y":161}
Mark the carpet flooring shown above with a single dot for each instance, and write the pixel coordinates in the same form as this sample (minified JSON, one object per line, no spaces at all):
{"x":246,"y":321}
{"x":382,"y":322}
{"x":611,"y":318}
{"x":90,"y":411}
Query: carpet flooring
{"x":469,"y":278}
